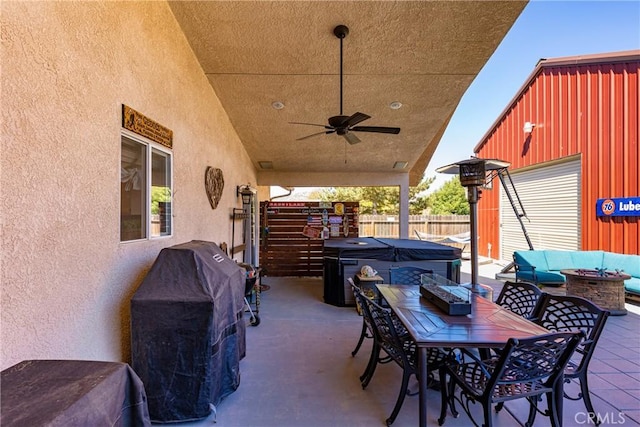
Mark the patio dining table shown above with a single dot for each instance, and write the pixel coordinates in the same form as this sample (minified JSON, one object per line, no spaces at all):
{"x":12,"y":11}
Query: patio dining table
{"x":488,"y":326}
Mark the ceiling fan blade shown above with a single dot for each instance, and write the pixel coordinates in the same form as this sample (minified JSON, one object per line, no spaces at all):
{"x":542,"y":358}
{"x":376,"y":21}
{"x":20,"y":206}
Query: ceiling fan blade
{"x":310,"y":124}
{"x":341,"y":124}
{"x":376,"y":129}
{"x":355,"y":119}
{"x":315,"y":134}
{"x":351,"y":138}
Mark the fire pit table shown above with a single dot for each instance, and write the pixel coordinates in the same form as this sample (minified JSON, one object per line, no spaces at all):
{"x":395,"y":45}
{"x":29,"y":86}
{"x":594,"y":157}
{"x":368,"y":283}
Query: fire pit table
{"x":603,"y":287}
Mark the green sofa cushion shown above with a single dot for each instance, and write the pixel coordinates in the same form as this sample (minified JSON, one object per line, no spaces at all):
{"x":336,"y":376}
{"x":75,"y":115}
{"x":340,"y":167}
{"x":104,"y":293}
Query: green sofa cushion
{"x":632,"y":285}
{"x":549,"y":277}
{"x":587,"y":259}
{"x":531,"y":258}
{"x":548,"y":264}
{"x":543,"y":277}
{"x":558,"y":260}
{"x":630,"y":264}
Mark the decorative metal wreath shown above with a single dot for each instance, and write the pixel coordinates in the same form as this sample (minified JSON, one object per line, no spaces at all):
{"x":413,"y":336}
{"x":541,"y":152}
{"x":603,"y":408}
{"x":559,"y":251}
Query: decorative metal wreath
{"x":213,"y":183}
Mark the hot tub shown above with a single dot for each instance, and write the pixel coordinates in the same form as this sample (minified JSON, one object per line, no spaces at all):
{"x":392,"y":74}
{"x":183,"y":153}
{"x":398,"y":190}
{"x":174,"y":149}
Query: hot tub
{"x":343,"y":259}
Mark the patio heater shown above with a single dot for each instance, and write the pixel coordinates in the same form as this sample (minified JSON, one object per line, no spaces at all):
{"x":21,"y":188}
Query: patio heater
{"x":473,"y":174}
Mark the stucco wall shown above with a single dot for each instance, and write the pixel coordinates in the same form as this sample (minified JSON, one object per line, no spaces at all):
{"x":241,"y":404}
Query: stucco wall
{"x":67,"y":67}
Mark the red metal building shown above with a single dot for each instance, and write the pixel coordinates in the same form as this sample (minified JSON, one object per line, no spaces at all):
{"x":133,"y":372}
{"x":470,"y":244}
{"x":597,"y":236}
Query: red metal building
{"x":571,"y":136}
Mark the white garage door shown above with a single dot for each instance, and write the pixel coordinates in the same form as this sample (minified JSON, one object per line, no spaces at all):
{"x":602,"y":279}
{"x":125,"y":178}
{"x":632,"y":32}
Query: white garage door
{"x":551,"y":199}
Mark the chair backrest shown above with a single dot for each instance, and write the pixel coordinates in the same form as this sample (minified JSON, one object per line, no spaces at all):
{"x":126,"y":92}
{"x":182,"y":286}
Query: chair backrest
{"x":392,"y":337}
{"x":571,"y":313}
{"x":519,"y":297}
{"x":359,"y":296}
{"x":526,"y":363}
{"x":406,"y":275}
{"x":354,"y":287}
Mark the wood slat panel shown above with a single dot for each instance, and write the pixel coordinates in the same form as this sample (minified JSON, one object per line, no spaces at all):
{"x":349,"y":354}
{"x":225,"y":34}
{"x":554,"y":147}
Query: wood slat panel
{"x":285,"y":250}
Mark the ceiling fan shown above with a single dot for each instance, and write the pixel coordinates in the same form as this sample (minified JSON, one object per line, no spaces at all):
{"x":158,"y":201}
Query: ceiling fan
{"x":345,"y":125}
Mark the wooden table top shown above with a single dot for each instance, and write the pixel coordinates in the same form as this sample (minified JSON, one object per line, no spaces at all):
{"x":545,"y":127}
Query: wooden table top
{"x":489,"y":325}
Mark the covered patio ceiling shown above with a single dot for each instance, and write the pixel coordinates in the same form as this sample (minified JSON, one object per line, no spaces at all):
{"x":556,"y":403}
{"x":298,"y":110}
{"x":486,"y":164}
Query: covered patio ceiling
{"x":422,"y":54}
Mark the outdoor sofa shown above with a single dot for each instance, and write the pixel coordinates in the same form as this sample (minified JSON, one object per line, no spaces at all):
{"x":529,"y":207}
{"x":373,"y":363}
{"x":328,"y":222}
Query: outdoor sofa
{"x":542,"y":267}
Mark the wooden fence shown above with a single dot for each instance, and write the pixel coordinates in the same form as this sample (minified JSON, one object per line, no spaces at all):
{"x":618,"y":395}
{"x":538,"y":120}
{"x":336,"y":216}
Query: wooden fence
{"x":289,"y":247}
{"x":387,"y":226}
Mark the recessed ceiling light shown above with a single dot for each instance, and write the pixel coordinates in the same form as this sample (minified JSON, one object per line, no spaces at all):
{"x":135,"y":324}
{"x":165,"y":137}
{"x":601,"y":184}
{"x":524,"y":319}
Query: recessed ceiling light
{"x":395,"y":105}
{"x":277,"y":105}
{"x":400,"y":165}
{"x":266,"y":164}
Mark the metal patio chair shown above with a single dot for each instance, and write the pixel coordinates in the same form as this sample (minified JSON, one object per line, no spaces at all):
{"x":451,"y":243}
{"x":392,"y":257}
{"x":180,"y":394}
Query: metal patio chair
{"x":408,"y":275}
{"x":391,"y":337}
{"x":525,"y":369}
{"x":367,"y":330}
{"x":519,"y":297}
{"x":567,"y":313}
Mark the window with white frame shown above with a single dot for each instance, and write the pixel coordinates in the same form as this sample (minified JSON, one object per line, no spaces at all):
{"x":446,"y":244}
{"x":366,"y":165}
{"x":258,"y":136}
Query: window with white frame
{"x":145,"y":189}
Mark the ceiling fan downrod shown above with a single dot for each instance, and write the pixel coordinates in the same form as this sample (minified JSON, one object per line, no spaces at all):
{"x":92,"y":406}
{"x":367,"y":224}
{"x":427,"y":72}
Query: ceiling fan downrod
{"x":341,"y":32}
{"x":342,"y":125}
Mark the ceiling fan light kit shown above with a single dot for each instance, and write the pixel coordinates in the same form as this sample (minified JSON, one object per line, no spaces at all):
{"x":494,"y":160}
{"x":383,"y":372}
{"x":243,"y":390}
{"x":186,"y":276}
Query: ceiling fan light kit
{"x":344,"y":125}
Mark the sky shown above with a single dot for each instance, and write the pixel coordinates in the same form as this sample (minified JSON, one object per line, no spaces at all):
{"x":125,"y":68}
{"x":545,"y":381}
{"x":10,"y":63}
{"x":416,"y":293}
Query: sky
{"x":544,"y":29}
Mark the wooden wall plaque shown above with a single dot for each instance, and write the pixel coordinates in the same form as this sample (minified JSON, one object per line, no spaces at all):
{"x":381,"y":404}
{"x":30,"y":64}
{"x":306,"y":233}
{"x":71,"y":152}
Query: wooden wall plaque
{"x":143,"y":125}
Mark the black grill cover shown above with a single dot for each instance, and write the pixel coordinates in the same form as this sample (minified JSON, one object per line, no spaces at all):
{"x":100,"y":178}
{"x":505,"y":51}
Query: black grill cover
{"x":188,"y":331}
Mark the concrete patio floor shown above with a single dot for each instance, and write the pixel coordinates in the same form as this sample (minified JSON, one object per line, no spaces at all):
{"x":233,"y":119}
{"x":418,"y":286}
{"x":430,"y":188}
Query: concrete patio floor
{"x":299,"y":370}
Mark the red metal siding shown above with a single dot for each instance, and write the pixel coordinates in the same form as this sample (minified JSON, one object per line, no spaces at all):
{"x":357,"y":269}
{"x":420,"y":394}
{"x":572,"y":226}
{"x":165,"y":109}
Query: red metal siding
{"x":592,"y":110}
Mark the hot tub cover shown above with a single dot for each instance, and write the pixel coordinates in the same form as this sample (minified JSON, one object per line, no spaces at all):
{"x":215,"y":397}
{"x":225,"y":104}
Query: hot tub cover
{"x":188,"y":331}
{"x":414,"y":250}
{"x":395,"y":250}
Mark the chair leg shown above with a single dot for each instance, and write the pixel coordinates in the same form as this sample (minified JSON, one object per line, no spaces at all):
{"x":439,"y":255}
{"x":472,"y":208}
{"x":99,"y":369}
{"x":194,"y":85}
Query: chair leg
{"x":486,"y":411}
{"x":363,"y":335}
{"x":452,"y":401}
{"x":584,"y":390}
{"x":554,"y":403}
{"x":403,"y":392}
{"x":371,"y":366}
{"x":533,"y":410}
{"x":444,"y":397}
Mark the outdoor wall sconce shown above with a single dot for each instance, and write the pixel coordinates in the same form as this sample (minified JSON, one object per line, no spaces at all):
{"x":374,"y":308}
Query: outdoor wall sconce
{"x":249,"y":252}
{"x":245,"y":192}
{"x":528,"y":127}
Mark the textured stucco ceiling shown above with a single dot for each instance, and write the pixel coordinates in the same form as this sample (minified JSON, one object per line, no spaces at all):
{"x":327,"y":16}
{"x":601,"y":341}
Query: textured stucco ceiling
{"x":423,"y":54}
